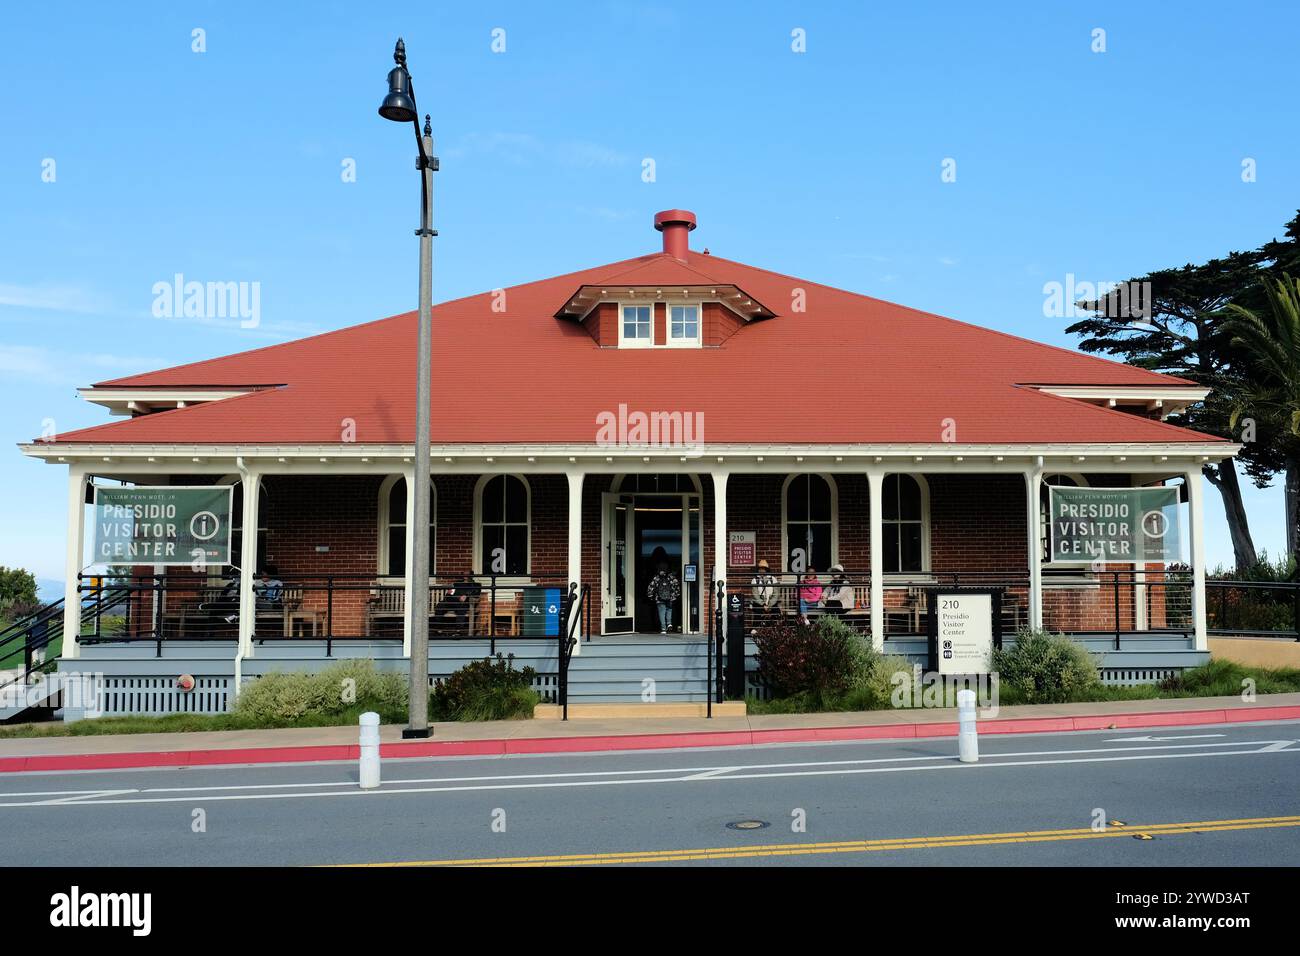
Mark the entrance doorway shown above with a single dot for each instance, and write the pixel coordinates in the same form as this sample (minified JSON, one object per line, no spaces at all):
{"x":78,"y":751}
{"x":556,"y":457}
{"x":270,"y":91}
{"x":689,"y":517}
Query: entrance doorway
{"x":644,"y":532}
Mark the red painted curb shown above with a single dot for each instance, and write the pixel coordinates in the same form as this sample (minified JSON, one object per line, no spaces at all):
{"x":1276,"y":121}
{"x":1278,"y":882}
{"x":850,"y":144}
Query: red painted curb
{"x":540,"y":745}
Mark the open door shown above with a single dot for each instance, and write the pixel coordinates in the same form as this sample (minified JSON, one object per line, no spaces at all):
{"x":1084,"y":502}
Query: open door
{"x":618,"y":609}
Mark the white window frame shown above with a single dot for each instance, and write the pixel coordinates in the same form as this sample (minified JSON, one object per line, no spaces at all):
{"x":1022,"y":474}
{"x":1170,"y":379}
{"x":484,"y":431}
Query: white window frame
{"x":669,"y":341}
{"x":785,"y":523}
{"x":386,"y":522}
{"x":477,"y":569}
{"x":637,"y":343}
{"x":905,"y":577}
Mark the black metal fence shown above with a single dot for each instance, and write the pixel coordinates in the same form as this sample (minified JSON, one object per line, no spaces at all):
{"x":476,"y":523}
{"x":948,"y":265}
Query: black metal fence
{"x":1253,"y":608}
{"x":194,"y":607}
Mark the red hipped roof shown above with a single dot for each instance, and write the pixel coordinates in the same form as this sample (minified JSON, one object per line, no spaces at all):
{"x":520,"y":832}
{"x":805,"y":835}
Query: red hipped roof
{"x":849,"y":369}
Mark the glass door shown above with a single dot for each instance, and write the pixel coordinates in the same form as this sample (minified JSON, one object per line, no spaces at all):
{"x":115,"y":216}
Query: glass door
{"x":618,"y":606}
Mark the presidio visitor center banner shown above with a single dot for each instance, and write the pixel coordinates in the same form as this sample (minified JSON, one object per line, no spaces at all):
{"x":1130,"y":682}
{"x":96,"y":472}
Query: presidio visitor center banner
{"x":1114,"y":524}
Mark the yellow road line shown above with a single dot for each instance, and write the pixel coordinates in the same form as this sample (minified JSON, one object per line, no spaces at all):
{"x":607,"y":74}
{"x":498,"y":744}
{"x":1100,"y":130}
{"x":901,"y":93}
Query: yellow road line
{"x":861,"y":846}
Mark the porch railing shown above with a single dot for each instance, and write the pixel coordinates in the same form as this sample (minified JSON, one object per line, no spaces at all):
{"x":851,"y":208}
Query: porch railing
{"x":1078,"y":602}
{"x":188,"y":606}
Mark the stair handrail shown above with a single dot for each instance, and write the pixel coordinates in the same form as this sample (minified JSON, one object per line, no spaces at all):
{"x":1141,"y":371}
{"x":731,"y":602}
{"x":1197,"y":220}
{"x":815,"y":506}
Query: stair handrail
{"x":574,"y":602}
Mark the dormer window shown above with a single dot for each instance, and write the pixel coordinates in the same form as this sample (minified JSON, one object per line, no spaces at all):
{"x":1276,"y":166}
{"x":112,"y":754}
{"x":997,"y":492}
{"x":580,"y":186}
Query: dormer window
{"x":636,"y":330}
{"x":684,"y":326}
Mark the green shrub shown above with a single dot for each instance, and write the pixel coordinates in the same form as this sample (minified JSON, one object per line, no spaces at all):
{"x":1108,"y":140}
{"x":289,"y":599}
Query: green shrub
{"x":1225,"y":678}
{"x":882,"y":682}
{"x":818,"y":661}
{"x":485,"y":690}
{"x":349,"y":686}
{"x":1043,"y":668}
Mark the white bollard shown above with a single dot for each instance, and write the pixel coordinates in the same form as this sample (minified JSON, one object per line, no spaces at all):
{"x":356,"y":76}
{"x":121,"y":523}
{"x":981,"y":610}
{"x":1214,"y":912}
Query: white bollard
{"x":369,"y":750}
{"x":968,"y":744}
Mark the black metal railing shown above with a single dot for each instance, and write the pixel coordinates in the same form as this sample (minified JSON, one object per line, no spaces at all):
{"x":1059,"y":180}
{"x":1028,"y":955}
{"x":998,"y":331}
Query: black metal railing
{"x":1075,"y":601}
{"x":23,"y":641}
{"x":572,"y":621}
{"x":1253,"y":608}
{"x":332,"y":607}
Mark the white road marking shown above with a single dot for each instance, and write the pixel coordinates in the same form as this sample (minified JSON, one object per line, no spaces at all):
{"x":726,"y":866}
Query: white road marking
{"x":688,"y":775}
{"x":1129,"y":740}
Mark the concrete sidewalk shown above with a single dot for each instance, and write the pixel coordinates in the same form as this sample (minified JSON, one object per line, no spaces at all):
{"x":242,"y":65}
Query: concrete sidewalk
{"x":549,"y":736}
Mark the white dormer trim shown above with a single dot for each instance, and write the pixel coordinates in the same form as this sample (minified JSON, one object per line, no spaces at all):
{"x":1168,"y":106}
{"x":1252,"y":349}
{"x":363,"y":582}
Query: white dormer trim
{"x":136,"y":401}
{"x":1167,"y":400}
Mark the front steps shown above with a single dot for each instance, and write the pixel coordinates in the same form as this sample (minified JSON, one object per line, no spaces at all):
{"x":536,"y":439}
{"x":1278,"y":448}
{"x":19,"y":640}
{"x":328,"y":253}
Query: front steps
{"x":628,"y":671}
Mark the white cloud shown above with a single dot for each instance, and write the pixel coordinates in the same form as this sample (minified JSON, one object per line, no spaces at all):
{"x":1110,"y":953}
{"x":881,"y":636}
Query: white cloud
{"x":61,"y":298}
{"x":38,"y":364}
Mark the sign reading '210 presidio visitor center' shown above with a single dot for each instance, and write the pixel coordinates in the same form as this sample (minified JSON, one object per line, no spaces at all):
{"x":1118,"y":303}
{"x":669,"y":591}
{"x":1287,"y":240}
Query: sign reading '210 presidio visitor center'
{"x":162,"y":525}
{"x":1114,"y":524}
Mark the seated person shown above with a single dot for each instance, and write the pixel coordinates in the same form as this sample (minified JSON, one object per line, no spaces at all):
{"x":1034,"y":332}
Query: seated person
{"x":451,"y":614}
{"x":838,"y":595}
{"x":269,"y":588}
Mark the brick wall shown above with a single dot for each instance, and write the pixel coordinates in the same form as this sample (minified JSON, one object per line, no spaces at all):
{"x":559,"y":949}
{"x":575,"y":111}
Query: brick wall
{"x":977,"y":525}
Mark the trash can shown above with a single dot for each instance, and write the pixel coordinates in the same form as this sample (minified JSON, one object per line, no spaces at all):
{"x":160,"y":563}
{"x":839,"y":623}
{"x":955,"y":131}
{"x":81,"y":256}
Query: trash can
{"x":541,"y":612}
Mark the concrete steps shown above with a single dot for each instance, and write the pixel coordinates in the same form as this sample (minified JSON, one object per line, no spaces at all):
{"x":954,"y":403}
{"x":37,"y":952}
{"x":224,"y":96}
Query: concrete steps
{"x":618,"y":671}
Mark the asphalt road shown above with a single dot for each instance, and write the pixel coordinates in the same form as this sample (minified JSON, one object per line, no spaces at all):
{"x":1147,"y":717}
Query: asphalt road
{"x":1222,"y":795}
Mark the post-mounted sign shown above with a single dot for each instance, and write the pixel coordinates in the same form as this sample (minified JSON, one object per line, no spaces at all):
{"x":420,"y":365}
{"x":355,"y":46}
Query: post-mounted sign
{"x":1113,"y":524}
{"x":964,"y":626}
{"x":163,"y":525}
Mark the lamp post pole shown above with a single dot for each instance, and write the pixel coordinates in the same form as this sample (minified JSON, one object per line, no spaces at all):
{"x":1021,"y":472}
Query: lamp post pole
{"x":399,"y":106}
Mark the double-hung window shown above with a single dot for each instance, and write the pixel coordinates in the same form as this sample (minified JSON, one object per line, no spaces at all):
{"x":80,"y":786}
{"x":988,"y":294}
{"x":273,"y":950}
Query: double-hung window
{"x":684,"y":325}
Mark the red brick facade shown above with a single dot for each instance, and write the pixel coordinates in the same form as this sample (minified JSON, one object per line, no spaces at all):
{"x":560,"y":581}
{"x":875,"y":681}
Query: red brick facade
{"x":324,"y":532}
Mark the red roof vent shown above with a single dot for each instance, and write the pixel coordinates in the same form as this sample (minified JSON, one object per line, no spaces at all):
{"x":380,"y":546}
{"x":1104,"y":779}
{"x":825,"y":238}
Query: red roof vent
{"x":676,"y":225}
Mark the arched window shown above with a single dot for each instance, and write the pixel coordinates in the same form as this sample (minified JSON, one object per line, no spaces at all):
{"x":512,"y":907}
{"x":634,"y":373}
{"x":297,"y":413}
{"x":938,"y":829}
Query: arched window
{"x":392,"y":527}
{"x":1044,"y":507}
{"x":905,"y":517}
{"x":503,"y":508}
{"x":669,"y":484}
{"x":809,"y":503}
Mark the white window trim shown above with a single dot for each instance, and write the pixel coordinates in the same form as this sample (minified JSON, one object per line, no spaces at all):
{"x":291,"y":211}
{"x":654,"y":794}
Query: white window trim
{"x":626,"y":343}
{"x":835,"y":519}
{"x":695,"y":343}
{"x":924,"y":574}
{"x":381,"y":555}
{"x":477,"y":568}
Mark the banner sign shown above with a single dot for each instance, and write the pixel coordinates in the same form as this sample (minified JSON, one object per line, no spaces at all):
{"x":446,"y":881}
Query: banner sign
{"x":964,"y":628}
{"x":1114,"y":524}
{"x":163,"y":525}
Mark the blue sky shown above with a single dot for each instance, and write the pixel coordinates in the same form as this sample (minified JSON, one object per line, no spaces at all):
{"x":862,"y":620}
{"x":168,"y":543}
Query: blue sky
{"x":225,"y":165}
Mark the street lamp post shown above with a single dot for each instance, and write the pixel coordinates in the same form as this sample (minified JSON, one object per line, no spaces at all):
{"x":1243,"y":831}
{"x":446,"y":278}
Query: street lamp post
{"x":399,"y":106}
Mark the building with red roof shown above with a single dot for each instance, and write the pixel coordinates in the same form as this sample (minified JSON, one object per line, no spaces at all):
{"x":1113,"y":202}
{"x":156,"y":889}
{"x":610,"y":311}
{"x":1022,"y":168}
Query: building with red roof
{"x":678,"y":412}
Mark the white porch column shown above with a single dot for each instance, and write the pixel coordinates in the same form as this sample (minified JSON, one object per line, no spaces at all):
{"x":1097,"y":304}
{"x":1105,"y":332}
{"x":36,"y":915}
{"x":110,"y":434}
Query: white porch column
{"x":875,"y":493}
{"x":1196,"y":521}
{"x":407,"y":623}
{"x":575,"y":479}
{"x":720,"y":477}
{"x":72,"y":565}
{"x":1033,"y":522}
{"x":251,"y":483}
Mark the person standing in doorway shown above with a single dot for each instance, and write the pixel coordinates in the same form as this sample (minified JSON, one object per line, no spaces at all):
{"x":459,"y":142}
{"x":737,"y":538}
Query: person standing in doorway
{"x":664,"y":590}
